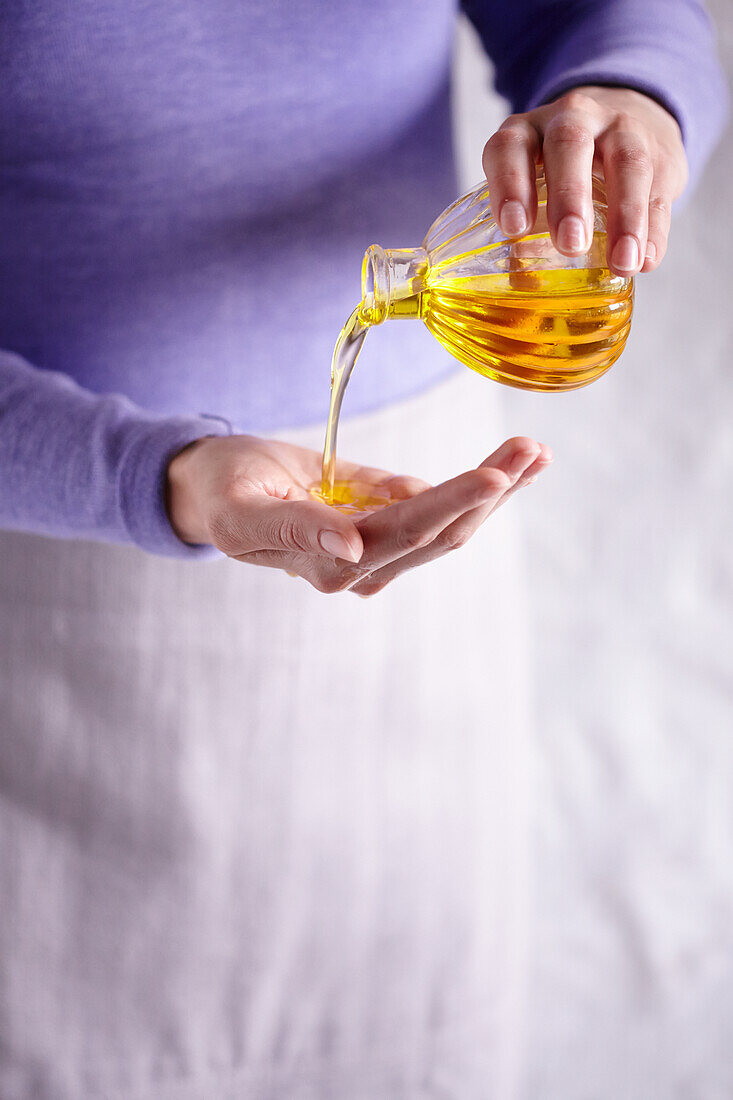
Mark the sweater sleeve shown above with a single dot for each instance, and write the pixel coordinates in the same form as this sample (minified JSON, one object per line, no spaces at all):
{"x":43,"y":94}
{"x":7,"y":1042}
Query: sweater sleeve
{"x":665,"y":48}
{"x":74,"y":464}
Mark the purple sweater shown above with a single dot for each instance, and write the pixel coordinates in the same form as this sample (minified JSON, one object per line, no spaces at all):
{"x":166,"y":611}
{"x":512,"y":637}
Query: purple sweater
{"x":186,"y":191}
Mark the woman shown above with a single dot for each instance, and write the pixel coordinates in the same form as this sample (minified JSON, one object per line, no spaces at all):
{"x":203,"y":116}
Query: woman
{"x":259,"y":843}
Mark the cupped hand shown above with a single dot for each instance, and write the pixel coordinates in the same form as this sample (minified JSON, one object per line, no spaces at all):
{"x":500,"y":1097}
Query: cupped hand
{"x":636,"y":142}
{"x":252,"y":499}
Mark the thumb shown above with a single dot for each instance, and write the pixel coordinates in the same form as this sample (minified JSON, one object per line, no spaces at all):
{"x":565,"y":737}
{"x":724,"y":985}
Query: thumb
{"x":304,"y":526}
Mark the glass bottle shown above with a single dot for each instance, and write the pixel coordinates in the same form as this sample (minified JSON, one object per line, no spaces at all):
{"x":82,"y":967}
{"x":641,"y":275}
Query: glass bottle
{"x":517,"y":311}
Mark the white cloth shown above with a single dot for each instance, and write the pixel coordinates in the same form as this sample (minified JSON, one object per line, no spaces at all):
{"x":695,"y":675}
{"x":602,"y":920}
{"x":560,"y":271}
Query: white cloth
{"x":261,"y":842}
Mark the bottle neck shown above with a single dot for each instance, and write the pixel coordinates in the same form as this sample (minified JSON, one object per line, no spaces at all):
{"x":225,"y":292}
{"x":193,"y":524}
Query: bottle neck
{"x":392,"y":280}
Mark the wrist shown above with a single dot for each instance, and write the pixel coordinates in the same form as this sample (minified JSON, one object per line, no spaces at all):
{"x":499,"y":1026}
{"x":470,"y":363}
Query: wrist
{"x":182,"y":495}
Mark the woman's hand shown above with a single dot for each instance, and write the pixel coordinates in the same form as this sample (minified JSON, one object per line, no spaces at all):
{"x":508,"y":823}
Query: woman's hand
{"x":632,"y":137}
{"x":250,"y":498}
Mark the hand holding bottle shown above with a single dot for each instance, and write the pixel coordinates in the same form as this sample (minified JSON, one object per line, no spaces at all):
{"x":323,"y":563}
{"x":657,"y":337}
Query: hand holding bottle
{"x":251,"y":498}
{"x":633,"y":138}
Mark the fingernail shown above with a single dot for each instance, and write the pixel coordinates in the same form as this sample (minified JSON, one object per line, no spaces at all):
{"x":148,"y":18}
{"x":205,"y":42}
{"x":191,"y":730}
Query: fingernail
{"x":337,"y":546}
{"x":625,"y":255}
{"x":651,"y":251}
{"x":513,"y":218}
{"x":571,"y":234}
{"x":531,"y":480}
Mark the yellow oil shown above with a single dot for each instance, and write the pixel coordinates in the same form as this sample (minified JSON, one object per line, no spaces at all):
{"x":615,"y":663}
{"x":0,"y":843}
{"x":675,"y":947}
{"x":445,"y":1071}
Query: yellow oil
{"x":345,"y":354}
{"x":551,"y":330}
{"x":348,"y":496}
{"x":352,"y":497}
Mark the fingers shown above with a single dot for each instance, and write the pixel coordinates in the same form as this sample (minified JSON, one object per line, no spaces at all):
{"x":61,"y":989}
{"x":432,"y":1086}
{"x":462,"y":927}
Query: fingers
{"x":402,"y":487}
{"x":629,"y":172}
{"x":659,"y":218}
{"x":520,"y":459}
{"x":514,"y":455}
{"x":531,"y":473}
{"x":412,"y":524}
{"x":568,"y":148}
{"x":636,"y":141}
{"x":336,"y":576}
{"x":254,"y":522}
{"x":400,"y":528}
{"x":509,"y":160}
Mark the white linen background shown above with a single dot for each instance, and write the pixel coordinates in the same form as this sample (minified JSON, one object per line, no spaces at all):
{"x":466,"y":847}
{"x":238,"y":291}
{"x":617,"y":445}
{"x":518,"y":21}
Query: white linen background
{"x":630,"y":540}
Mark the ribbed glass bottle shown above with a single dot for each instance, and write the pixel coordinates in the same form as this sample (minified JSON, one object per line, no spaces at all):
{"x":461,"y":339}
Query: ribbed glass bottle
{"x":517,"y":311}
